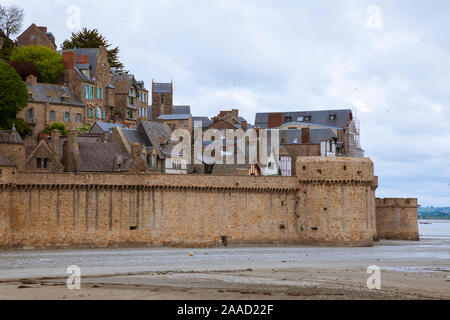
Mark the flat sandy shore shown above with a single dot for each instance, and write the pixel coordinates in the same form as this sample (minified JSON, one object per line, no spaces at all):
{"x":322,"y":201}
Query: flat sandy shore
{"x":409,"y":270}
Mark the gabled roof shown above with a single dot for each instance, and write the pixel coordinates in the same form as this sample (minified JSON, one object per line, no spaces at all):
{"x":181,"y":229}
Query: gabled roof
{"x":182,"y":109}
{"x":42,"y":91}
{"x":206,"y":122}
{"x":10,"y":136}
{"x":154,"y":132}
{"x":319,"y":117}
{"x":107,"y":127}
{"x":136,"y":136}
{"x":162,"y":87}
{"x":101,"y":157}
{"x":92,"y":53}
{"x":5,"y":162}
{"x":174,"y":116}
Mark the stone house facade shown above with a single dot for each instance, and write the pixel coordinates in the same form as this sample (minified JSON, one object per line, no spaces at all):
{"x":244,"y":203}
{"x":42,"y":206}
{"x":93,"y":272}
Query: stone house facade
{"x":35,"y":36}
{"x":87,"y":74}
{"x":49,"y":103}
{"x":131,"y":100}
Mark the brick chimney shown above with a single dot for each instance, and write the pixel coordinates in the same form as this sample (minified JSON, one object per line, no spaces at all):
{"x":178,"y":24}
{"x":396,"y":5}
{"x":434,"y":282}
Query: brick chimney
{"x":69,"y":60}
{"x":43,"y":29}
{"x":54,"y":141}
{"x":306,"y":136}
{"x":32,"y":80}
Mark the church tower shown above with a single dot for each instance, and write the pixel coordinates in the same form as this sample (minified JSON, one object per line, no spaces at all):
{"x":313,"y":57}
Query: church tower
{"x":162,"y":99}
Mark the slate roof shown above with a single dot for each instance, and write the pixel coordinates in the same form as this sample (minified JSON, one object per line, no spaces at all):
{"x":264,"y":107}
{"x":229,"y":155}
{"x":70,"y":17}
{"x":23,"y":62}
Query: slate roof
{"x":92,"y":53}
{"x":162,"y":87}
{"x":101,"y":157}
{"x":107,"y":127}
{"x":42,"y":91}
{"x":181,"y":109}
{"x":206,"y":122}
{"x":293,"y":136}
{"x":10,"y":136}
{"x":174,"y":116}
{"x":5,"y":162}
{"x":319,"y":117}
{"x":136,"y":136}
{"x":154,"y":131}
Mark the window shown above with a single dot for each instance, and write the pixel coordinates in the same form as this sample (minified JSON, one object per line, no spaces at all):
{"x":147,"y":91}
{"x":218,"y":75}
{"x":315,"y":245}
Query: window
{"x":132,"y":101}
{"x":287,"y":119}
{"x":103,"y":115}
{"x":181,"y":123}
{"x":46,"y":163}
{"x":67,"y":117}
{"x":98,"y":113}
{"x":30,"y":96}
{"x":78,"y":117}
{"x":49,"y":98}
{"x":52,"y":115}
{"x":332,"y":117}
{"x":307,"y":118}
{"x":300,"y":119}
{"x":30,"y":115}
{"x":38,"y":163}
{"x":162,"y":98}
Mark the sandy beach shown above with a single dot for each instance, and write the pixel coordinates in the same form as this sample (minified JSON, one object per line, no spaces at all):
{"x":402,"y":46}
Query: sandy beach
{"x":409,"y":270}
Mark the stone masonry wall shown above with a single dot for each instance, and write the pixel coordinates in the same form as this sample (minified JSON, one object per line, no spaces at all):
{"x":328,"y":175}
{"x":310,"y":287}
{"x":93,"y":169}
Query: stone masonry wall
{"x":100,"y":210}
{"x":397,"y":219}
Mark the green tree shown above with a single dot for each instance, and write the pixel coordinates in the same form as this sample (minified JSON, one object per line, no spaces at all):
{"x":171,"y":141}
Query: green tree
{"x":93,"y":39}
{"x":7,"y":49}
{"x":13,"y":94}
{"x":83,"y":128}
{"x":49,"y":63}
{"x":22,"y":127}
{"x":56,"y":126}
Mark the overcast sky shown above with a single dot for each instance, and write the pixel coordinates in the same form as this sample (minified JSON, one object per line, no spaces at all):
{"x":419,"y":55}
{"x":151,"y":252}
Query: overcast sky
{"x":387,"y":60}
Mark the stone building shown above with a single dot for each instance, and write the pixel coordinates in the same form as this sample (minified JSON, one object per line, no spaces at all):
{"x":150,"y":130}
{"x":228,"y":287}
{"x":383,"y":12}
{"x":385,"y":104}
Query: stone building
{"x":87,"y":74}
{"x":228,"y":120}
{"x":49,"y":103}
{"x":341,"y":122}
{"x":131,"y":100}
{"x":35,"y":36}
{"x":12,"y":147}
{"x":105,"y":128}
{"x":162,"y":99}
{"x":97,"y":156}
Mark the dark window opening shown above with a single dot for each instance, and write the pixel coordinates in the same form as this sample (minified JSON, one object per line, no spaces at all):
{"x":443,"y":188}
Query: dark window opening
{"x":314,"y":228}
{"x":46,"y":163}
{"x":38,"y":163}
{"x":224,"y":241}
{"x":133,"y":228}
{"x":319,"y":171}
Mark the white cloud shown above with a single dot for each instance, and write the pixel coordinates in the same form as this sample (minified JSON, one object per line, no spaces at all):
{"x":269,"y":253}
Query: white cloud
{"x":388,"y":60}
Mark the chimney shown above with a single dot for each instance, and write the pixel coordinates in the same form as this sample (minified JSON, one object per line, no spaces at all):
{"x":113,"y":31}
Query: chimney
{"x":306,"y":136}
{"x":54,"y":141}
{"x":83,"y":59}
{"x":70,"y":153}
{"x":32,"y":80}
{"x":69,"y":60}
{"x":43,"y":29}
{"x":135,"y":148}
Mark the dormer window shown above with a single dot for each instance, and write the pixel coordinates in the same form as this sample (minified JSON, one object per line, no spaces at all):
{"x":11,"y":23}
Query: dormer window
{"x":287,"y":119}
{"x":300,"y":119}
{"x":307,"y":118}
{"x":49,"y":98}
{"x":332,"y":117}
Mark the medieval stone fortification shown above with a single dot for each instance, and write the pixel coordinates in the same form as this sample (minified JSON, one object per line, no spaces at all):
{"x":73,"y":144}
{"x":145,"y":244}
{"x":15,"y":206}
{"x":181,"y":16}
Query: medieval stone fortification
{"x":330,"y":201}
